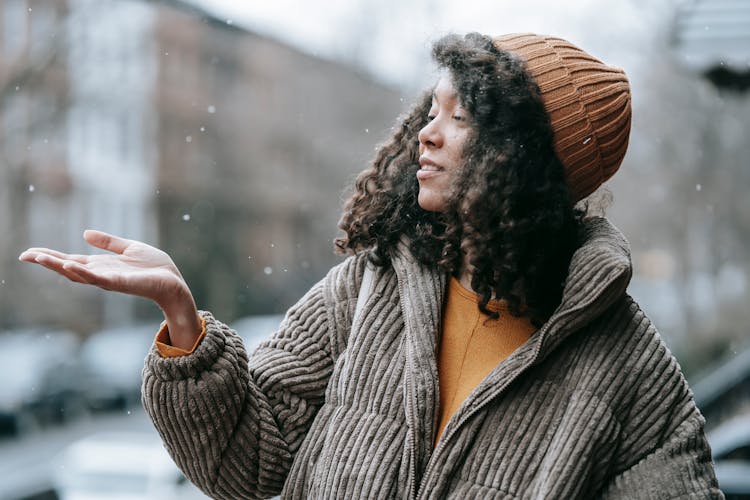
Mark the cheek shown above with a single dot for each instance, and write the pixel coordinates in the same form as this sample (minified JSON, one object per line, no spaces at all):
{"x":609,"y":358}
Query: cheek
{"x":458,"y":143}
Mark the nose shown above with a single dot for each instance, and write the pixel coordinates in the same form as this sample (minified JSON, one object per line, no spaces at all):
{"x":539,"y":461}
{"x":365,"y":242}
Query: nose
{"x":430,"y":135}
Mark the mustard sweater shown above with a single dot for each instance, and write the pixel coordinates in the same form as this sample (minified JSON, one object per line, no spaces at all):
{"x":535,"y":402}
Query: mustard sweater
{"x":471,"y":345}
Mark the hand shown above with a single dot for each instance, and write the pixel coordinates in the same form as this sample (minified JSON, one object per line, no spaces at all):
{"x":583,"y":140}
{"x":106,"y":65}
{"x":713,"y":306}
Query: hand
{"x":133,"y":268}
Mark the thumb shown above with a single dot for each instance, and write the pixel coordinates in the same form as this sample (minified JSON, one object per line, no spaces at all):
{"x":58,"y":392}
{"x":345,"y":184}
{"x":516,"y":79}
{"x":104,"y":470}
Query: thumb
{"x":105,"y":241}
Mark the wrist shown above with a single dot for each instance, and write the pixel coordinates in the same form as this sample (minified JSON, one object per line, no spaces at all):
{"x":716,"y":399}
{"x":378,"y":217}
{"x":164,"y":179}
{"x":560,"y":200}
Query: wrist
{"x":183,"y":321}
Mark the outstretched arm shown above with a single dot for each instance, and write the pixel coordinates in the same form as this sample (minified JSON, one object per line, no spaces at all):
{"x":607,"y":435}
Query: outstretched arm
{"x":231,"y":427}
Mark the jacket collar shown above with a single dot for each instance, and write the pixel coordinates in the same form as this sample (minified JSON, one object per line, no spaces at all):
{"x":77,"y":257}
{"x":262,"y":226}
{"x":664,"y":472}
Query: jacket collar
{"x":598,"y":275}
{"x":421,"y":293}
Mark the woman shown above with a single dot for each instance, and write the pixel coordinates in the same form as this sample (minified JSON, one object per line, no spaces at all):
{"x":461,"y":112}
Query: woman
{"x":494,"y":353}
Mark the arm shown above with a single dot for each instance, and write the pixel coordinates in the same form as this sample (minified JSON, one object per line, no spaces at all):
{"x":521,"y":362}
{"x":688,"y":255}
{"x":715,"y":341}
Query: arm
{"x":663,"y":452}
{"x":679,"y":468}
{"x":233,"y":425}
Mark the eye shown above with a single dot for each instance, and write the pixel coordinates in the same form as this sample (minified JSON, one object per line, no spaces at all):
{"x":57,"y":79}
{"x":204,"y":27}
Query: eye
{"x":430,"y":118}
{"x":459,"y":118}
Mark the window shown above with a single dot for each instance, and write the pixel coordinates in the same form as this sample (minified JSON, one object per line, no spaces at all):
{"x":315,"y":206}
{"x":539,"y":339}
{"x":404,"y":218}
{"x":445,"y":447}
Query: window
{"x":14,"y":27}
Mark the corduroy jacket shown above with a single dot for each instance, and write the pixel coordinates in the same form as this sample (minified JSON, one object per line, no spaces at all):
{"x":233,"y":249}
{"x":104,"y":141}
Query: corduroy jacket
{"x":593,"y":405}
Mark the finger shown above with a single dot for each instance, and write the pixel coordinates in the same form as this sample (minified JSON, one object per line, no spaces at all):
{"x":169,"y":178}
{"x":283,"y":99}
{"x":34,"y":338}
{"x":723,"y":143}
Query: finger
{"x":87,"y":275}
{"x":82,"y":272}
{"x":49,"y":261}
{"x":83,"y":259}
{"x":58,"y":266}
{"x":72,"y":276}
{"x":28,"y":256}
{"x":105,"y":241}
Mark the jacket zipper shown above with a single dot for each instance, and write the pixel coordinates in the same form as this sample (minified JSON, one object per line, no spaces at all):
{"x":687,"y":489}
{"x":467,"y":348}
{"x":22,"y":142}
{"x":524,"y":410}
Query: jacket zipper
{"x":453,"y":431}
{"x":409,"y":405}
{"x":542,"y":332}
{"x":413,"y":462}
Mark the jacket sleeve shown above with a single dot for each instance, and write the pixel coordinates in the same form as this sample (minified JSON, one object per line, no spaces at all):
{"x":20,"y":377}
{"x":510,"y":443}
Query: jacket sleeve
{"x":233,"y":425}
{"x":664,"y":453}
{"x":680,"y":468}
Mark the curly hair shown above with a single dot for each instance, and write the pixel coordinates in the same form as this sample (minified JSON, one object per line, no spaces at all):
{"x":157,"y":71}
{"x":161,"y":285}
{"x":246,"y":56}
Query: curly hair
{"x":510,"y":212}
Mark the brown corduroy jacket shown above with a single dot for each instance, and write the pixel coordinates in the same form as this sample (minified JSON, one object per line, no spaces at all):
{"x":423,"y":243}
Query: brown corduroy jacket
{"x":593,"y":405}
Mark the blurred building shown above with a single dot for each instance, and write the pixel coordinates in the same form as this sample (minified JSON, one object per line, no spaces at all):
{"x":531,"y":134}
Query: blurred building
{"x":111,"y":124}
{"x":257,"y":142}
{"x":159,"y":122}
{"x":713,"y":38}
{"x":80,"y":125}
{"x":682,"y":195}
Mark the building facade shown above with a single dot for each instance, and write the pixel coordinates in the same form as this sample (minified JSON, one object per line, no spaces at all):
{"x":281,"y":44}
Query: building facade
{"x":161,"y":123}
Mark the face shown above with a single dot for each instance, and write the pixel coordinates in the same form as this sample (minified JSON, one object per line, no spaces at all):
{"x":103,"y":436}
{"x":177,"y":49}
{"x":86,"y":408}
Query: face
{"x":441,"y":144}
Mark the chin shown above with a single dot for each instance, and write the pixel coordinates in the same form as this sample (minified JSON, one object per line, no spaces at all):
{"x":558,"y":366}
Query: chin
{"x":430,"y":202}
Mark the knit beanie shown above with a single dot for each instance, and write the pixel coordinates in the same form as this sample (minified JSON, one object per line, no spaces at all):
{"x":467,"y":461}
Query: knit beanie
{"x":588,"y":104}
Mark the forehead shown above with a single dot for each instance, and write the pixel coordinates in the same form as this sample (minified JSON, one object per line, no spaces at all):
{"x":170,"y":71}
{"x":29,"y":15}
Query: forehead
{"x":444,"y":91}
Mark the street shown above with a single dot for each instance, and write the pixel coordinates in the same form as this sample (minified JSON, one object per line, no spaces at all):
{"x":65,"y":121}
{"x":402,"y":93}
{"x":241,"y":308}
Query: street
{"x":27,"y":464}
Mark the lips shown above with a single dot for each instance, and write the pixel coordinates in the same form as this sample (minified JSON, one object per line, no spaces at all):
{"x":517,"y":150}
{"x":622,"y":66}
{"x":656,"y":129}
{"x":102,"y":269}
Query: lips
{"x":431,"y":168}
{"x":428,"y":168}
{"x":428,"y":164}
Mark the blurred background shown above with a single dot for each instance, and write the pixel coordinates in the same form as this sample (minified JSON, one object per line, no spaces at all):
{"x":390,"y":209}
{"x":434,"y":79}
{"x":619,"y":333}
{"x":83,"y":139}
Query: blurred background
{"x":226,"y":133}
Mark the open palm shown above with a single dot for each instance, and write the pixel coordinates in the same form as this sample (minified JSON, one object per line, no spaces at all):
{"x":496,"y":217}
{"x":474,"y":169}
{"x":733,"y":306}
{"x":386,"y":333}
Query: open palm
{"x":133,"y":267}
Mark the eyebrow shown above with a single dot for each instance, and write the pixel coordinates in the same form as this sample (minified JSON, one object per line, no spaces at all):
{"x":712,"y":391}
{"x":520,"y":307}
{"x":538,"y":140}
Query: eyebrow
{"x":453,"y":95}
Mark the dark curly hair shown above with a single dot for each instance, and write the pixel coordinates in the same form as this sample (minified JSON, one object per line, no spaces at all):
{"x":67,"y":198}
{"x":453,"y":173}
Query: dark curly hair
{"x":510,"y":210}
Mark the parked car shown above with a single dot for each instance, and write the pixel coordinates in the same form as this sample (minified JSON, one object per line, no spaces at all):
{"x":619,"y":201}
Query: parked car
{"x":734,"y":478}
{"x":254,"y":329}
{"x":731,"y":439}
{"x":37,"y":387}
{"x":122,"y":466}
{"x":730,"y":448}
{"x":112,"y":361}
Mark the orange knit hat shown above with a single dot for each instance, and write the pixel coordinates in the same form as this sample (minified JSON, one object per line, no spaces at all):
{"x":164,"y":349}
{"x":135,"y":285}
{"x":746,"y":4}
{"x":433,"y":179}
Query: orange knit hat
{"x":588,"y":104}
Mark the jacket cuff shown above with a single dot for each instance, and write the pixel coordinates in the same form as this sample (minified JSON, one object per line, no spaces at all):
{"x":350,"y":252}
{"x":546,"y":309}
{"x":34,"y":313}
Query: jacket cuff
{"x":218,"y":346}
{"x":164,"y":344}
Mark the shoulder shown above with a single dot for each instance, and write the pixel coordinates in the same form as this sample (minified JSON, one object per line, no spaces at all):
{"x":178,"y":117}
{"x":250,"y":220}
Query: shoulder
{"x":647,"y":391}
{"x":340,"y":290}
{"x":649,"y":395}
{"x":631,"y":342}
{"x":341,"y":285}
{"x":621,"y":357}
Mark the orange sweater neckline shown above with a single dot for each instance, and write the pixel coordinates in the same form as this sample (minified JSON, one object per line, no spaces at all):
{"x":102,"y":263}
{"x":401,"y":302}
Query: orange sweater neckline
{"x":497,"y":305}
